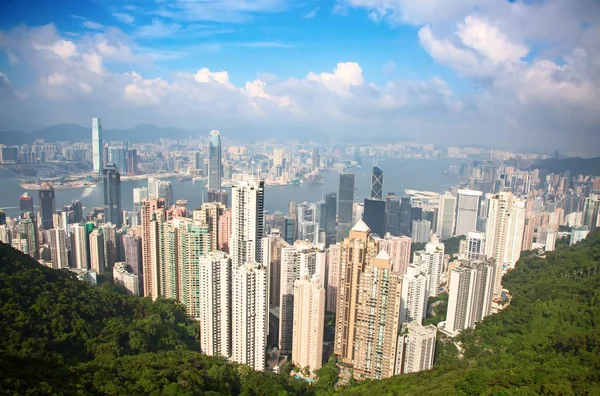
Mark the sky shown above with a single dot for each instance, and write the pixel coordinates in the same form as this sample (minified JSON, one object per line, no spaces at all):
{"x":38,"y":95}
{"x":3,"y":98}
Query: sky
{"x":510,"y":74}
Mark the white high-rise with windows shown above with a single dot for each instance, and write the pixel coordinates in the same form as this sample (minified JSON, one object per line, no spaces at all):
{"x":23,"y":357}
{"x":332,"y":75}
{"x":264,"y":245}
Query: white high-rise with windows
{"x":333,"y":275}
{"x":467,"y":211}
{"x":416,"y":349}
{"x":247,"y":225}
{"x":79,"y":246}
{"x":309,"y":314}
{"x":446,"y":216}
{"x":58,"y":248}
{"x":215,"y":304}
{"x":431,"y":261}
{"x":413,"y":305}
{"x":249,"y":314}
{"x":399,"y":250}
{"x":504,"y":233}
{"x":471,"y":290}
{"x":97,"y":148}
{"x":475,"y":245}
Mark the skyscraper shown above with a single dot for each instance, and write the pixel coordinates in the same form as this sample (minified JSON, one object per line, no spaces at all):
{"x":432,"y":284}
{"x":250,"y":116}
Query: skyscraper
{"x":431,"y":261}
{"x":97,"y":148}
{"x":406,"y":215}
{"x":309,"y":314}
{"x":132,"y":161}
{"x":392,"y":214}
{"x":377,"y":319}
{"x":249,"y":314}
{"x":96,"y":244}
{"x":330,"y":216}
{"x":333,"y":276}
{"x":164,"y":190}
{"x":414,"y":295}
{"x":129,"y":280}
{"x":47,"y":206}
{"x":377,"y":183}
{"x":215,"y":304}
{"x":308,"y":222}
{"x":215,"y":166}
{"x":374,"y":216}
{"x":26,"y":205}
{"x":112,"y":195}
{"x":466,"y":212}
{"x":416,"y":349}
{"x":357,"y":251}
{"x":346,"y":199}
{"x":150,"y":248}
{"x":132,"y":251}
{"x":210,"y":213}
{"x":399,"y":250}
{"x":446,"y":216}
{"x":471,"y":289}
{"x":421,"y":229}
{"x":58,"y":248}
{"x":79,"y":246}
{"x":117,"y":156}
{"x":475,"y":245}
{"x":504,"y":233}
{"x":273,"y":246}
{"x":247,"y":227}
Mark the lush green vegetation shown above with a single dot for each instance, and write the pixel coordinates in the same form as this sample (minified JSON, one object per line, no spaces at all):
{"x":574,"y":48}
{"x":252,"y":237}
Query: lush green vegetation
{"x":547,"y":341}
{"x":438,"y":307}
{"x":451,"y":245}
{"x":61,"y":336}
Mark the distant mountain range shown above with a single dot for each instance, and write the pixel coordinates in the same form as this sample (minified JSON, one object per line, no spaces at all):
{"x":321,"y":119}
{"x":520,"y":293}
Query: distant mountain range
{"x":78,"y":133}
{"x":577,"y":165}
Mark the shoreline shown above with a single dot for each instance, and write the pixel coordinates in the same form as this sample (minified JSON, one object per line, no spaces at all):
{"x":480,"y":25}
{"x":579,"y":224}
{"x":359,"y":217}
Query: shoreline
{"x":79,"y":183}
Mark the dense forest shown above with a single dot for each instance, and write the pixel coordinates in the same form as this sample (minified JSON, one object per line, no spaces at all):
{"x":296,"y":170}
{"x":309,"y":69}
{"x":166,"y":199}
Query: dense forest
{"x":61,"y":336}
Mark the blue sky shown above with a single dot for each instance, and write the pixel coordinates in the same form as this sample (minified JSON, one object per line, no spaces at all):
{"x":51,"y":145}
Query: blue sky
{"x":507,"y":73}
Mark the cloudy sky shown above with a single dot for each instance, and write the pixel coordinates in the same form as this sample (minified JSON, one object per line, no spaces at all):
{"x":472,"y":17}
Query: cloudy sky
{"x":514,"y":74}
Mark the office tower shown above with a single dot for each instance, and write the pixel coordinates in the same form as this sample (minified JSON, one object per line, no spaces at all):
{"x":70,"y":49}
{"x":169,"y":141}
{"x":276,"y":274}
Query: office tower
{"x":416,"y":349}
{"x":550,"y":242}
{"x":467,"y":210}
{"x":377,"y":183}
{"x":446,"y":216}
{"x":215,"y":166}
{"x":405,"y":215}
{"x":470,"y":294}
{"x":47,"y":206}
{"x":218,"y":196}
{"x":26,"y":205}
{"x":5,"y":234}
{"x":247,"y":226}
{"x":399,"y":250}
{"x":346,"y":199}
{"x":249,"y":314}
{"x":210,"y":213}
{"x":357,"y":251}
{"x":79,"y":246}
{"x":414,"y":295}
{"x":330,"y":218}
{"x":296,"y":261}
{"x":358,"y":211}
{"x":117,"y":156}
{"x":272,"y":248}
{"x":421,"y":229}
{"x":224,"y":231}
{"x":96,"y":249}
{"x":504,"y":233}
{"x":164,"y":190}
{"x":292,"y":217}
{"x":197,"y":161}
{"x":333,"y":275}
{"x":377,"y":319}
{"x":132,"y":161}
{"x":432,"y":261}
{"x":392,"y":214}
{"x":112,"y":195}
{"x":315,"y":159}
{"x":475,"y":245}
{"x":58,"y":248}
{"x":2,"y":217}
{"x":129,"y":280}
{"x":374,"y":216}
{"x":152,"y":188}
{"x":215,"y":304}
{"x":309,"y":315}
{"x":308,"y":222}
{"x":97,"y":148}
{"x":150,"y":222}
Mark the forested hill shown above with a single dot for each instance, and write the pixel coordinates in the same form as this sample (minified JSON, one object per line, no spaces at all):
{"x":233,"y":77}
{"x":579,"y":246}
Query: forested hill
{"x":61,"y":336}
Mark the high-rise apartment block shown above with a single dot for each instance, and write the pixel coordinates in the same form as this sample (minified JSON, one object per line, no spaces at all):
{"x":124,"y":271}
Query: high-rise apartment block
{"x":467,"y":211}
{"x":416,"y":349}
{"x":446,"y":216}
{"x":123,"y":276}
{"x":399,"y":250}
{"x":308,"y":323}
{"x":247,"y":227}
{"x":431,"y":261}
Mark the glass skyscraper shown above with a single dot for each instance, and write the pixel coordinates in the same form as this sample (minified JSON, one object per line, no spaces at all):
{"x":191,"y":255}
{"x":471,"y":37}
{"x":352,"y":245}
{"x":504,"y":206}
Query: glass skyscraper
{"x":112,"y":195}
{"x":47,"y":206}
{"x":215,"y":166}
{"x":377,"y":183}
{"x":346,"y":199}
{"x":97,"y":149}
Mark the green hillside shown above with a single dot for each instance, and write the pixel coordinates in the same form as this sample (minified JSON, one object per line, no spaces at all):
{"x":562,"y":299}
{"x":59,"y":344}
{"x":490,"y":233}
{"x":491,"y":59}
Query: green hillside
{"x":61,"y":336}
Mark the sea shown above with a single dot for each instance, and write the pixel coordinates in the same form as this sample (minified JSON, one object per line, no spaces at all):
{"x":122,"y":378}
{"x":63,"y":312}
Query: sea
{"x":399,"y":174}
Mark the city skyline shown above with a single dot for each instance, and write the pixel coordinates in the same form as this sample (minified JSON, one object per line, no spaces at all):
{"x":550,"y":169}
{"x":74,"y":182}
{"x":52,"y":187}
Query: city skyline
{"x":469,"y":73}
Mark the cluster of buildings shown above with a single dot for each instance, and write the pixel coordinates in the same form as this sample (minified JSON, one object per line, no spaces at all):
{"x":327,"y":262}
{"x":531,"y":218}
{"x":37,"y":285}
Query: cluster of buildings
{"x":259,"y":282}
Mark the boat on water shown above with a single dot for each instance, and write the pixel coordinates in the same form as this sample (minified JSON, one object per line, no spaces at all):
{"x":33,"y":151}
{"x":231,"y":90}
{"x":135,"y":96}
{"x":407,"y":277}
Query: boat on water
{"x":198,"y":179}
{"x":185,"y":178}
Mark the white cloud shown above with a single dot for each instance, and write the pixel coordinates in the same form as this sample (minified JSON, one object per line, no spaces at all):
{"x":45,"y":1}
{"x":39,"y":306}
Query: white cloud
{"x":158,"y":28}
{"x":93,"y":25}
{"x":311,"y":14}
{"x":236,"y":11}
{"x":124,"y":17}
{"x":344,"y":76}
{"x":204,"y":75}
